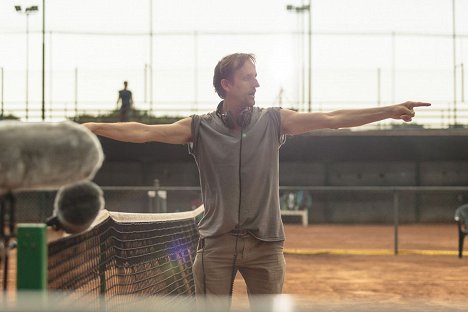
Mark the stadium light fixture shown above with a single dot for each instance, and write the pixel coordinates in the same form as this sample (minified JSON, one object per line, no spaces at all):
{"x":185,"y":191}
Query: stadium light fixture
{"x":32,"y":8}
{"x":26,"y":12}
{"x":300,"y":10}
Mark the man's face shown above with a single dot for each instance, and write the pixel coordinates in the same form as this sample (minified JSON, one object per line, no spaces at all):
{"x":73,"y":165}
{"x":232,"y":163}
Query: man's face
{"x":243,"y":85}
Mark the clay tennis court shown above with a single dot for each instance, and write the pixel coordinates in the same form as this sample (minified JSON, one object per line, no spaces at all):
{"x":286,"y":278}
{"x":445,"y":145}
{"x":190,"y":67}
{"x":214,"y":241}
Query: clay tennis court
{"x":343,"y":267}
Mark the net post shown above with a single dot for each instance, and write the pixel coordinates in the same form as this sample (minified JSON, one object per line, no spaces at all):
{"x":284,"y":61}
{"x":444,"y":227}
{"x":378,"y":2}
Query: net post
{"x":31,"y":273}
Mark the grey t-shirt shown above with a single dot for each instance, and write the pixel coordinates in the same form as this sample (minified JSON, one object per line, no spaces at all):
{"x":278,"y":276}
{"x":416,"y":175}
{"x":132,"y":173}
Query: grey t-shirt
{"x":239,"y":174}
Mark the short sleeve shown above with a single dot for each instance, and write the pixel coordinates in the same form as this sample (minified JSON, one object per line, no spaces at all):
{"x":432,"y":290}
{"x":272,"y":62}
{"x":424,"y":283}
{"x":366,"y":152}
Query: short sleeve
{"x":192,"y":146}
{"x":275,"y":113}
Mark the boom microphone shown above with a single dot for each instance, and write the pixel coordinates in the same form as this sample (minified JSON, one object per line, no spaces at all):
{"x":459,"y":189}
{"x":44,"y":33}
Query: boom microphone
{"x":46,"y":156}
{"x":76,"y":206}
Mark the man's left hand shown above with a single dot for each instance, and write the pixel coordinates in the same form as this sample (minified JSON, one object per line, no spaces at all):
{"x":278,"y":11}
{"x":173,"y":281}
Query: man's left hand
{"x":405,"y":111}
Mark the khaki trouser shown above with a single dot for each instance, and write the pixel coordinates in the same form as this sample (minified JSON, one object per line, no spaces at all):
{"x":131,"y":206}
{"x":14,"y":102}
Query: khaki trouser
{"x":261,"y":264}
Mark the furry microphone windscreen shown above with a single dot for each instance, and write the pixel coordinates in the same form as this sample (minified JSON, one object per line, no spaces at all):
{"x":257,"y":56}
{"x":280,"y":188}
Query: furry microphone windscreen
{"x":46,"y":156}
{"x":76,"y":206}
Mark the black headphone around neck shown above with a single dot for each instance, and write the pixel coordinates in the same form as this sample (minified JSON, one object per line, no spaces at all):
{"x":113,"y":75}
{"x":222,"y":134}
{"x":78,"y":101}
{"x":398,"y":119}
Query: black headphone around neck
{"x":243,"y":120}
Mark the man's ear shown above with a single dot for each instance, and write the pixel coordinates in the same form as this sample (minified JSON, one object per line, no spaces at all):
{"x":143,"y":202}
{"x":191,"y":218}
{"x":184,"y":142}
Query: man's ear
{"x":226,"y":84}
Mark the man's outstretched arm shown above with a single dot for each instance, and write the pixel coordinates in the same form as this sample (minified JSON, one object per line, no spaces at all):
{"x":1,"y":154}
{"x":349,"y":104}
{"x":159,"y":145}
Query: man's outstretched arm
{"x":297,"y":123}
{"x":176,"y":133}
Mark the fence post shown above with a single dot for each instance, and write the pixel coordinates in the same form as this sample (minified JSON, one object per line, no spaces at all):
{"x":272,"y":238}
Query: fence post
{"x":396,"y":200}
{"x":2,"y":90}
{"x":76,"y":92}
{"x":156,"y":197}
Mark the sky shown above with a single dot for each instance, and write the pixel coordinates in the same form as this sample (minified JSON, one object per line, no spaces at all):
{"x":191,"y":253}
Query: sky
{"x":93,"y":46}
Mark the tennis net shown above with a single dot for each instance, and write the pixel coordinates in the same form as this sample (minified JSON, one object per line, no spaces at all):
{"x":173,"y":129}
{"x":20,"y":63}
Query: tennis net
{"x":127,"y":254}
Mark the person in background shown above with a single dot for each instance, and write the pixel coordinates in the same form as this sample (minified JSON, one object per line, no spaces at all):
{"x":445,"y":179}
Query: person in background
{"x":126,"y":98}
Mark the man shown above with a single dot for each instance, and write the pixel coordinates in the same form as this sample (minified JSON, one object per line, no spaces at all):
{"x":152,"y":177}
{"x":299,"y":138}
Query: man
{"x":125,"y":96}
{"x":236,"y":149}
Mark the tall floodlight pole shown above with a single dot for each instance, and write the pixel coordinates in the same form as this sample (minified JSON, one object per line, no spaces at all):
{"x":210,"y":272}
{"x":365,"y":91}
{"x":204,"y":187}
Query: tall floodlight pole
{"x":310,"y":56}
{"x":302,"y":9}
{"x":151,"y":55}
{"x":43,"y":62}
{"x":454,"y":40}
{"x":393,"y":66}
{"x":26,"y":12}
